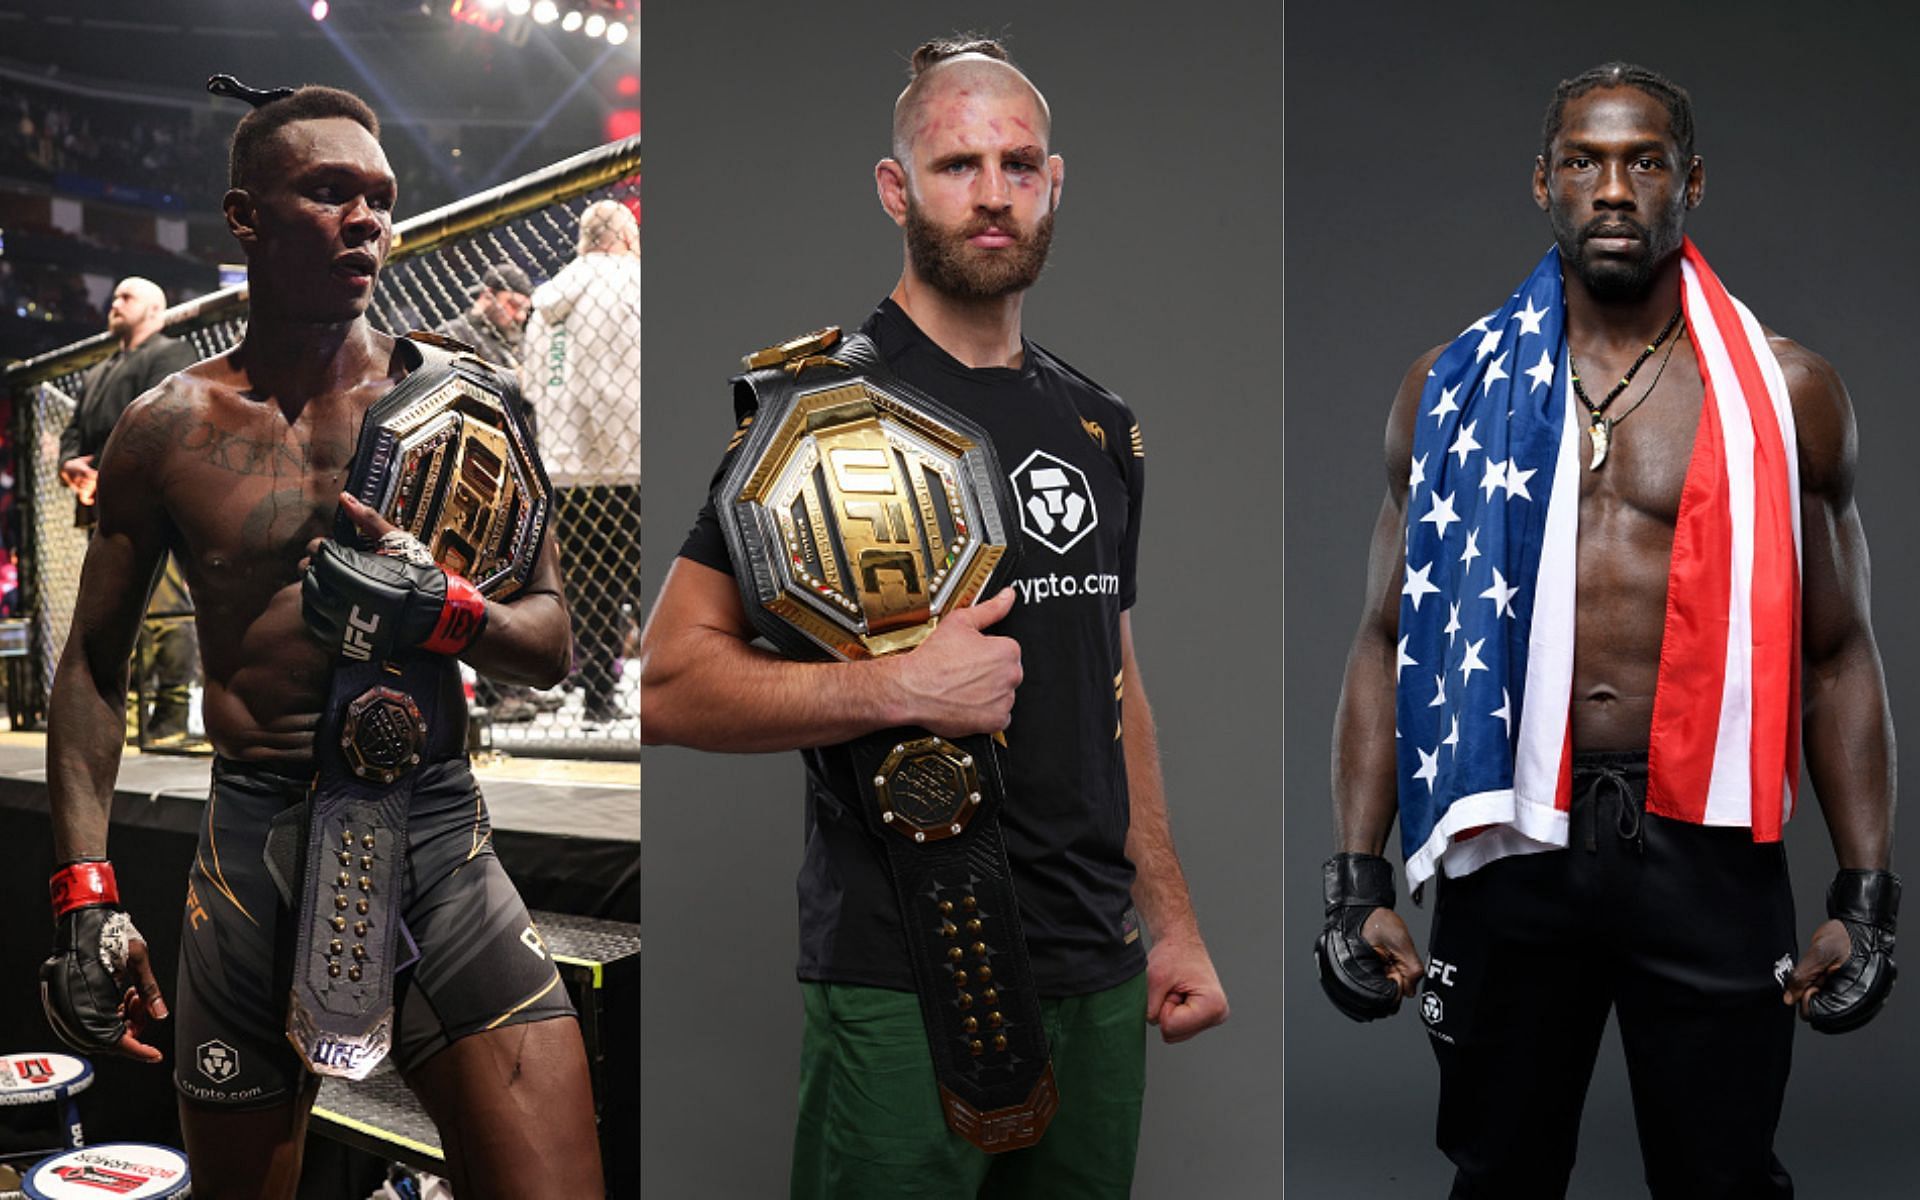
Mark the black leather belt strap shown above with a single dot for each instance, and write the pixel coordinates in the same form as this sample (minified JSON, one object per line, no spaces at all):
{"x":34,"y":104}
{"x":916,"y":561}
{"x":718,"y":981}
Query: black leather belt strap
{"x":384,"y":719}
{"x":935,"y":805}
{"x":381,"y":724}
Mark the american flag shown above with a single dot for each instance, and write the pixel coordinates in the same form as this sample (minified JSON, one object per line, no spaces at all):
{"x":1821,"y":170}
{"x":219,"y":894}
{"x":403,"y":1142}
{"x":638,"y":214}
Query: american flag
{"x":1487,"y":599}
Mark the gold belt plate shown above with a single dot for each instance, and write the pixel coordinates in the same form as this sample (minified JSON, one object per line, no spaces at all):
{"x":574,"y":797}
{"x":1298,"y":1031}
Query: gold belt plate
{"x":928,"y":789}
{"x":874,"y":523}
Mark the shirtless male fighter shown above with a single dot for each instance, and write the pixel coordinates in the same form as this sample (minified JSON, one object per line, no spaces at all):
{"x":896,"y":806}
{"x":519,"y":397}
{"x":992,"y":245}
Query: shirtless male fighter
{"x":237,"y":466}
{"x":1601,"y":621}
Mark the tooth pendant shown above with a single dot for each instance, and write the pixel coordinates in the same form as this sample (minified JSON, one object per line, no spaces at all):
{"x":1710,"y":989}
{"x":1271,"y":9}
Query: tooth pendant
{"x":1599,"y":431}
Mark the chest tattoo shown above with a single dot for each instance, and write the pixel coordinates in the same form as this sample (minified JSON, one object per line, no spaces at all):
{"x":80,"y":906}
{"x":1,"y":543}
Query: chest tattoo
{"x":206,"y":442}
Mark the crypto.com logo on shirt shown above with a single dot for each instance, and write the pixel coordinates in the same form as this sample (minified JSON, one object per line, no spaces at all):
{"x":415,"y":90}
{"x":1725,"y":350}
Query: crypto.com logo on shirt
{"x":1056,"y":505}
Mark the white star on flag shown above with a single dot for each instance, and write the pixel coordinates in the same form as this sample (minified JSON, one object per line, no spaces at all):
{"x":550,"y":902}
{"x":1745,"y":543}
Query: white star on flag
{"x":1495,"y":373}
{"x":1453,"y":734}
{"x":1505,"y":712}
{"x":1417,"y":475}
{"x":1540,"y":372}
{"x":1530,"y":318}
{"x":1488,"y":341}
{"x":1429,"y":767}
{"x":1440,"y":515}
{"x":1472,"y":662}
{"x":1444,"y":405}
{"x":1417,"y":584}
{"x":1465,"y":443}
{"x":1517,"y":482}
{"x":1495,"y":477}
{"x":1472,"y":551}
{"x":1406,"y":660}
{"x":1501,"y":595}
{"x":1453,"y":622}
{"x":1439,"y":691}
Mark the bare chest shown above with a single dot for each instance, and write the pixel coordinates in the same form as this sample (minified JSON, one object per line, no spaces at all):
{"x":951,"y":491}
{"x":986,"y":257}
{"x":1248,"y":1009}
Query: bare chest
{"x":248,"y":488}
{"x":1648,"y":444}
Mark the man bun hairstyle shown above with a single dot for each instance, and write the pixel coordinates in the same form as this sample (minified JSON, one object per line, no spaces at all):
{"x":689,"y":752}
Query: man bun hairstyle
{"x":931,"y":54}
{"x":247,"y":153}
{"x":1679,"y":105}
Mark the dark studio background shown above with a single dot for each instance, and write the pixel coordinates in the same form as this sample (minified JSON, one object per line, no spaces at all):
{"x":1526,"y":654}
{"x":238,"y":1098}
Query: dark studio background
{"x":762,"y":223}
{"x":1410,"y":137}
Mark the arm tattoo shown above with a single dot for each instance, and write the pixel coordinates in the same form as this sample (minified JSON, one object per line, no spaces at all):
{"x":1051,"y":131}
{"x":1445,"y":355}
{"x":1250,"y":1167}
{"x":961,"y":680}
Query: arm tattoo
{"x":145,"y":440}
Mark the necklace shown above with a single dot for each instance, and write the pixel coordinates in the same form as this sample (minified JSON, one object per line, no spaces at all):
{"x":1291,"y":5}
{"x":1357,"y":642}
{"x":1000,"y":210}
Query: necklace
{"x":1600,"y":427}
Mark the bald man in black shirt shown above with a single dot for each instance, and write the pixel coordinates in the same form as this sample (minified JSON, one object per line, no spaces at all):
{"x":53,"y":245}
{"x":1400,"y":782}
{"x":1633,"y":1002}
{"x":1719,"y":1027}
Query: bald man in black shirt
{"x":166,"y":654}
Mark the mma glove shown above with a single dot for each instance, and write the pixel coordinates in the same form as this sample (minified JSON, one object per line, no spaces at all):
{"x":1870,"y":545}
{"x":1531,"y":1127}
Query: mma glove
{"x":93,"y":936}
{"x":1865,"y":902}
{"x":1352,"y":974}
{"x":368,"y":607}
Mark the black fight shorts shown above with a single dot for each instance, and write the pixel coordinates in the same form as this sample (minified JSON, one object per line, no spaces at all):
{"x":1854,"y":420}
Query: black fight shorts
{"x":1685,"y":933}
{"x":481,"y":965}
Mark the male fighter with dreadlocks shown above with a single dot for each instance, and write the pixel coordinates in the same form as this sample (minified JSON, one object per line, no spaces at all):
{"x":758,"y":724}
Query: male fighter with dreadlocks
{"x":1599,"y":618}
{"x":237,"y":465}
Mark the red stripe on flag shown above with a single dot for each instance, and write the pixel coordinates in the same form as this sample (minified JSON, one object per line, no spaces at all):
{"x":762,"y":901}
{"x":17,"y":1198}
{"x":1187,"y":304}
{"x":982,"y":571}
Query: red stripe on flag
{"x":1563,"y":789}
{"x":1693,"y":644}
{"x":1776,"y":593}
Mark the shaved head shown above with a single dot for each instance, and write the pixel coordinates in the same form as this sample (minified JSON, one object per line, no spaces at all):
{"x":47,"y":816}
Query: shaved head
{"x":145,"y":290}
{"x":971,"y":65}
{"x":608,"y":227}
{"x":137,"y":311}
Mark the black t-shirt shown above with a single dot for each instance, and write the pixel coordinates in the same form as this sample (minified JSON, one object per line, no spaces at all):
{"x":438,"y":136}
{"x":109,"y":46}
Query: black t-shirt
{"x":109,"y":390}
{"x":1073,"y":452}
{"x":114,"y":385}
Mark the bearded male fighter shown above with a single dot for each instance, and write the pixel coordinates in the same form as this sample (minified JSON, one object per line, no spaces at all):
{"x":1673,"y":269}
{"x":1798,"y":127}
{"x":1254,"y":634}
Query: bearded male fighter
{"x":237,"y":466}
{"x":971,"y":184}
{"x":1602,"y":619}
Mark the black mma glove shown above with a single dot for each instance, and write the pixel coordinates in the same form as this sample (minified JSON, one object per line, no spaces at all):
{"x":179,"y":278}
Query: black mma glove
{"x":1351,"y":973}
{"x":368,"y":607}
{"x":79,"y":982}
{"x":1866,"y":902}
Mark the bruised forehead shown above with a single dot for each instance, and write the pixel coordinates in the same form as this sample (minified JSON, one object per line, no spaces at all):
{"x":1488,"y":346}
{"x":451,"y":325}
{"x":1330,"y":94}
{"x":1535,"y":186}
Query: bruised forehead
{"x":956,"y":91}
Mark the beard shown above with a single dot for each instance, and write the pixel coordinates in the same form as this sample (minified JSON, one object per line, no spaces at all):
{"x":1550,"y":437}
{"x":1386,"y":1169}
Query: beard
{"x":943,"y":257}
{"x":1615,"y":278}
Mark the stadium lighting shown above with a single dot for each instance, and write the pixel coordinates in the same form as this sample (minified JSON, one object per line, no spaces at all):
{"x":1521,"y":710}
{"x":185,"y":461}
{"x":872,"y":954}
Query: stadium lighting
{"x":616,"y":33}
{"x":319,"y":10}
{"x":519,"y":8}
{"x":546,"y":12}
{"x":596,"y":25}
{"x":571,"y":21}
{"x":490,"y":5}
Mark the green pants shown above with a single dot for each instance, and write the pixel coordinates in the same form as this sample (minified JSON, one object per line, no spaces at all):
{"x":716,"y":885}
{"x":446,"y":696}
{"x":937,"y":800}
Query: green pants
{"x":870,"y":1122}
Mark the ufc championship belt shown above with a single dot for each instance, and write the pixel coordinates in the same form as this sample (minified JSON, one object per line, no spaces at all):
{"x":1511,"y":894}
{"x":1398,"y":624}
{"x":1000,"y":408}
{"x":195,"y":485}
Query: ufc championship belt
{"x":858,"y":512}
{"x":446,"y":457}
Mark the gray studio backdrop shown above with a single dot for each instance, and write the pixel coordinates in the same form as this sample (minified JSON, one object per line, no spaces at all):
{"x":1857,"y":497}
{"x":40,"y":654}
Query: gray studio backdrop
{"x":763,"y":124}
{"x":1410,"y":135}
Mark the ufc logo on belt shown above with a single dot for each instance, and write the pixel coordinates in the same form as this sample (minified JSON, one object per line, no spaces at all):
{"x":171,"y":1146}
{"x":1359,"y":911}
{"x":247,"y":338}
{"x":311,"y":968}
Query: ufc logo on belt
{"x":355,"y":644}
